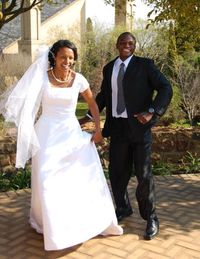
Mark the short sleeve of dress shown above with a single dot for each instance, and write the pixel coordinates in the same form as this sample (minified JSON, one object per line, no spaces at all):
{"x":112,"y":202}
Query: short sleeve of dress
{"x":83,"y":83}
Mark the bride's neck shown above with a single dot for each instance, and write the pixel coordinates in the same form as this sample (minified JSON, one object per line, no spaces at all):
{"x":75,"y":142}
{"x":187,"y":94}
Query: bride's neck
{"x":61,"y":77}
{"x":61,"y":74}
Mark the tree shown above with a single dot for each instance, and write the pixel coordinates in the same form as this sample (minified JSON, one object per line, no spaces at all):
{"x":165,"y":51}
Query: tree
{"x":187,"y":79}
{"x":152,"y":43}
{"x":98,"y":48}
{"x":186,"y":18}
{"x":10,"y":9}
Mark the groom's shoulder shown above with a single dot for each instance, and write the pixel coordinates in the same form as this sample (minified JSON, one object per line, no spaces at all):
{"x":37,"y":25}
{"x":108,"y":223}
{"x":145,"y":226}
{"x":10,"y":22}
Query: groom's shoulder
{"x":143,"y":59}
{"x":110,"y":63}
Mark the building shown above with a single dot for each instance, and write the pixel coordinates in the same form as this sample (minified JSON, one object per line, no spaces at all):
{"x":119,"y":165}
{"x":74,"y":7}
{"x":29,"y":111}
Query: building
{"x":64,"y":20}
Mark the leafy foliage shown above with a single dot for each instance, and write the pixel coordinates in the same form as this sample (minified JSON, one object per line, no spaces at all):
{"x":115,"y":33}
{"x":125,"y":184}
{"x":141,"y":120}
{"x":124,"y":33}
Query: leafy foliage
{"x":187,"y":78}
{"x":185,"y":16}
{"x":14,"y":181}
{"x":98,"y":48}
{"x":190,"y":163}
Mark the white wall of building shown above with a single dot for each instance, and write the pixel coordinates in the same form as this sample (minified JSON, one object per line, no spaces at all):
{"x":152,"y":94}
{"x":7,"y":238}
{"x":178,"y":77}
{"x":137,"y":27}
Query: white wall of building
{"x":70,"y":22}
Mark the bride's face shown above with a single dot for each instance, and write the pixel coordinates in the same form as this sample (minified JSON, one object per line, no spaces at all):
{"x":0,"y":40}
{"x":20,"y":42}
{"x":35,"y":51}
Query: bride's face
{"x":64,"y":59}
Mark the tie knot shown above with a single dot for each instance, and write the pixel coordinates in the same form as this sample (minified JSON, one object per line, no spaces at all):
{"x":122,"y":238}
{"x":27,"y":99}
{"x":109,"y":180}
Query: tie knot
{"x":122,"y":64}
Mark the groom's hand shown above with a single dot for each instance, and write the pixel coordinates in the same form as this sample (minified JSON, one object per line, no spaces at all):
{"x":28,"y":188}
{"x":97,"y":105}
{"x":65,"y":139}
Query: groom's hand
{"x":144,"y":117}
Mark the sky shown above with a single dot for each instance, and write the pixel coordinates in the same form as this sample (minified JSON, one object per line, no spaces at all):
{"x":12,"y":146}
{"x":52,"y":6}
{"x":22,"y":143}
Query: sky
{"x":141,"y":10}
{"x":97,"y":11}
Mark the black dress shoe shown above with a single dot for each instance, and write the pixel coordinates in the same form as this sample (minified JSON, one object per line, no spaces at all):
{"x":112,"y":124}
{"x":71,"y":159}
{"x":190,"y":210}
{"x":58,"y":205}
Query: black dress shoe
{"x":123,"y":213}
{"x":152,"y":229}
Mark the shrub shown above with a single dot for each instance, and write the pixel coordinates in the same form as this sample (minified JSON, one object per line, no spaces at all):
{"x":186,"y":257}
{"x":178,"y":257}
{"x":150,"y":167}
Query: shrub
{"x":14,"y":181}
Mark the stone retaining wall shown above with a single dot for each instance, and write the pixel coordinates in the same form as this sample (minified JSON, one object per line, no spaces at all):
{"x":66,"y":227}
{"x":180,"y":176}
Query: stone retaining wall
{"x":7,"y":154}
{"x":169,"y":145}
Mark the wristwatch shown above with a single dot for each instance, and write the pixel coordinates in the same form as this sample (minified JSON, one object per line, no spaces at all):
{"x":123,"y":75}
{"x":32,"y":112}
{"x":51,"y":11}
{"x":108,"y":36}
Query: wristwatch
{"x":151,"y":110}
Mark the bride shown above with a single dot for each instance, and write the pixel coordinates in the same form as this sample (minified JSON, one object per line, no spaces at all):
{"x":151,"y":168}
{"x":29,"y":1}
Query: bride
{"x":70,"y":200}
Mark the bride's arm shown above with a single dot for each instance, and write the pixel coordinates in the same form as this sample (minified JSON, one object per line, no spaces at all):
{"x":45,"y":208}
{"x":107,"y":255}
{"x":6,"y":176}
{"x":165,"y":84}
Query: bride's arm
{"x":88,"y":97}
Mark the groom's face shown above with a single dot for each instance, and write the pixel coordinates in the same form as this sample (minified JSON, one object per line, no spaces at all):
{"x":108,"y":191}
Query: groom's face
{"x":125,"y":46}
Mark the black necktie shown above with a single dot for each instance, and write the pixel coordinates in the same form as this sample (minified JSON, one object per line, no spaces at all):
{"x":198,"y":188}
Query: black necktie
{"x":120,"y":92}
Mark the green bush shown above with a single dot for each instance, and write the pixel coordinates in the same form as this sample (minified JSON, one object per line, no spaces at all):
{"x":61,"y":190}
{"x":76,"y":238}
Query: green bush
{"x":15,"y":181}
{"x":190,"y":163}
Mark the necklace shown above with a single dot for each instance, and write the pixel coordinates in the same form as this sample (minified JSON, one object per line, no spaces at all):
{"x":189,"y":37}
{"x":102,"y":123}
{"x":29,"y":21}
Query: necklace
{"x":61,"y":81}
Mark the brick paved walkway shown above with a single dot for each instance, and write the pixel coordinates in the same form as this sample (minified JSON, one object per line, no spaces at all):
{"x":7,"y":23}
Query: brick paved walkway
{"x":178,"y":207}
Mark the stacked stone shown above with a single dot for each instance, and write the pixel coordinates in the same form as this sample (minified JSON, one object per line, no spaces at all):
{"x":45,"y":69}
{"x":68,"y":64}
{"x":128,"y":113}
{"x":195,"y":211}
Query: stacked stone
{"x":7,"y":154}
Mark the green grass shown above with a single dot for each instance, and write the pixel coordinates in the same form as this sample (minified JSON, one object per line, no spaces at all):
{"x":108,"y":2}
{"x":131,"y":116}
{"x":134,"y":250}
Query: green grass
{"x":81,"y":109}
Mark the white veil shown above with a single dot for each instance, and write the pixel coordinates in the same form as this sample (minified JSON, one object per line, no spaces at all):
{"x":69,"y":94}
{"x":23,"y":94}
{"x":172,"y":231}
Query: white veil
{"x":20,"y":104}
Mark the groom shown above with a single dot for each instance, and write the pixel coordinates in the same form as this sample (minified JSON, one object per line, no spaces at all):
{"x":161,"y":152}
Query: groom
{"x":127,"y":93}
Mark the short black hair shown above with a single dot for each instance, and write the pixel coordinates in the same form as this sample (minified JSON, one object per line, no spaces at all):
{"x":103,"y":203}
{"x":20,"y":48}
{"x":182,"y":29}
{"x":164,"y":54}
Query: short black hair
{"x":61,"y":44}
{"x":124,"y":34}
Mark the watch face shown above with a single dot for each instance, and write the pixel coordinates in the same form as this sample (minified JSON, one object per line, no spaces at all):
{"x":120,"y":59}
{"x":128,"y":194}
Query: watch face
{"x":151,"y":110}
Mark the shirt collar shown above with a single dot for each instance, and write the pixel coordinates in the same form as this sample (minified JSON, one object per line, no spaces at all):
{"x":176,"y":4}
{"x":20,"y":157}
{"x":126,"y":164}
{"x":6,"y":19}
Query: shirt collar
{"x":126,"y":61}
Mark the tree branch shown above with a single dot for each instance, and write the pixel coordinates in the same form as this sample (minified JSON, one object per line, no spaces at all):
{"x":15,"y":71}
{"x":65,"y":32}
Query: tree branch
{"x":11,"y":13}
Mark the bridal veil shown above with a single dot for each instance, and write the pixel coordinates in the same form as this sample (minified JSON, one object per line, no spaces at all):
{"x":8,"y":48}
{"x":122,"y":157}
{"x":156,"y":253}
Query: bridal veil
{"x":20,"y":104}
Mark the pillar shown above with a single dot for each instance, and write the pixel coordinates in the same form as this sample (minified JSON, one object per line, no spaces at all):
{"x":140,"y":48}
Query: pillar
{"x":30,"y":31}
{"x":124,"y":14}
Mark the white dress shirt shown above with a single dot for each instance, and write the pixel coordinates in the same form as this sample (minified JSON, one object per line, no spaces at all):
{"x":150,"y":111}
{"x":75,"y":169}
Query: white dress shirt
{"x":115,"y":72}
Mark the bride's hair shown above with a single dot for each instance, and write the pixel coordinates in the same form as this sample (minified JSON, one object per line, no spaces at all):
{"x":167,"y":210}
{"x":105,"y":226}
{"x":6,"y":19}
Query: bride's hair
{"x":61,"y":44}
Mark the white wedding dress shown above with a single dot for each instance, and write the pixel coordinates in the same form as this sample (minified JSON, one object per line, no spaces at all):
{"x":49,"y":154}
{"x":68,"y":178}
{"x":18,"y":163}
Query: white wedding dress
{"x":70,"y":202}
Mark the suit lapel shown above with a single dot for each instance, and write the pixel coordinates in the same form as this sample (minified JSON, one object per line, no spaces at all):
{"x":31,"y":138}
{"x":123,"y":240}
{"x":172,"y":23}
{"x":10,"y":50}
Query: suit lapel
{"x":109,"y":73}
{"x":131,"y":67}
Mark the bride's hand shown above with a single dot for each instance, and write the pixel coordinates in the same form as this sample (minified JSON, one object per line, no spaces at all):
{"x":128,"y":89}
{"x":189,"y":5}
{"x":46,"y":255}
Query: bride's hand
{"x":97,"y":137}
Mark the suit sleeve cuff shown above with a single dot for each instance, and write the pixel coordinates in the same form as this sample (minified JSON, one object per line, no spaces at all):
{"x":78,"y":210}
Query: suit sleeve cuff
{"x":89,"y":116}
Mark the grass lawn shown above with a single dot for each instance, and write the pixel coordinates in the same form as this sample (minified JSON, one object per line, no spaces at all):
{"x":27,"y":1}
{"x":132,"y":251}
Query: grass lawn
{"x":82,"y":109}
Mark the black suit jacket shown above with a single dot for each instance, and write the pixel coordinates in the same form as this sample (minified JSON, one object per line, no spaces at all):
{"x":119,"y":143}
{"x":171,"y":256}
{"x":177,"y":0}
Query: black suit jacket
{"x":141,"y":80}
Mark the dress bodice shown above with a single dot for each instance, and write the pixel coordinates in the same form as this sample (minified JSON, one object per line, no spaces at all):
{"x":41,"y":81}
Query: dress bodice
{"x":57,"y":101}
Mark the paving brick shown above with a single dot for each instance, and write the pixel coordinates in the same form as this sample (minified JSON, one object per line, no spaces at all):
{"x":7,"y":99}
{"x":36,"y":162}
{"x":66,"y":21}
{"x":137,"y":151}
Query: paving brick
{"x":35,"y":243}
{"x":34,"y":257}
{"x":152,"y":255}
{"x":127,"y":239}
{"x":14,"y":250}
{"x":3,"y":241}
{"x":137,"y":253}
{"x":173,"y":251}
{"x":17,"y":241}
{"x":179,"y":227}
{"x":117,"y":252}
{"x":78,"y":255}
{"x":189,"y":245}
{"x":154,"y":248}
{"x":168,"y":243}
{"x":191,"y":253}
{"x":95,"y":249}
{"x":35,"y":251}
{"x":111,"y":243}
{"x":101,"y":256}
{"x":114,"y":257}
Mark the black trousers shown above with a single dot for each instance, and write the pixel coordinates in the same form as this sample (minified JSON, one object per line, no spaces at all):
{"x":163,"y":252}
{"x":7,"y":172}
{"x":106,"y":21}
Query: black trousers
{"x":126,"y":151}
